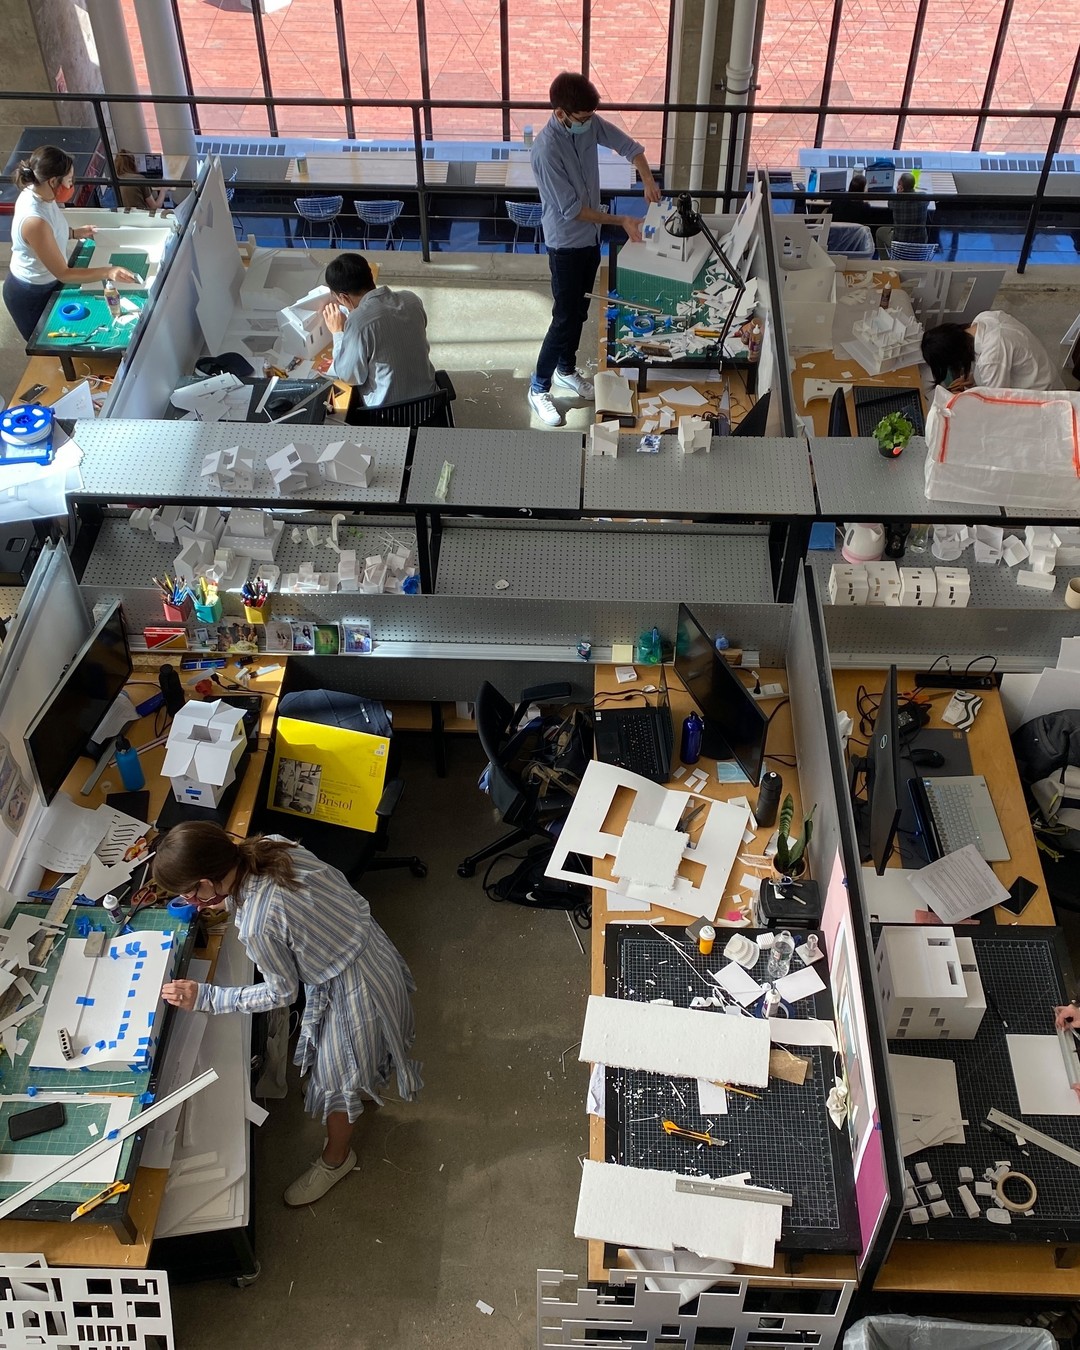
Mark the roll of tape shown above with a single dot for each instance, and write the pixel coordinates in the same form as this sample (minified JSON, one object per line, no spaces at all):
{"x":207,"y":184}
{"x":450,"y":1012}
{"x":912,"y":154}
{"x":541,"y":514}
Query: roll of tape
{"x":26,"y":424}
{"x":642,"y":323}
{"x":182,"y":909}
{"x":74,"y":310}
{"x":1011,"y":1205}
{"x":1072,"y":593}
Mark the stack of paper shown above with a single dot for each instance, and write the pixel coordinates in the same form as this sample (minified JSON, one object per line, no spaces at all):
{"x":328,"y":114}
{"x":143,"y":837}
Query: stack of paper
{"x":927,"y":1102}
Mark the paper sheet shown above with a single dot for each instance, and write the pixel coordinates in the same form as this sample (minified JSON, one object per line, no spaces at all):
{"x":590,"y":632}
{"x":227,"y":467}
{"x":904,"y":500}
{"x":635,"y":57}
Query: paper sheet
{"x":739,"y":983}
{"x":121,"y":831}
{"x":1069,"y":654}
{"x":959,"y":885}
{"x":66,"y":835}
{"x":685,"y":396}
{"x":595,"y":1099}
{"x":712,"y":1098}
{"x":802,"y":1031}
{"x":1042,"y":1084}
{"x":800,"y":984}
{"x":23,"y":1168}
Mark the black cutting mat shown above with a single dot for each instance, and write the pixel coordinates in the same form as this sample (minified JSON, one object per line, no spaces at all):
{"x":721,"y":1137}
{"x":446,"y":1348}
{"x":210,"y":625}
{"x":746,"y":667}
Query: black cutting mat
{"x":1023,"y":973}
{"x":872,"y":404}
{"x":784,"y":1140}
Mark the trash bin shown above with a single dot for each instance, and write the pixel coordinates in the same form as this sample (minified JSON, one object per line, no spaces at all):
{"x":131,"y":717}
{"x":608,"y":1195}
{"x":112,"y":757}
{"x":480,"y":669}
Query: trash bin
{"x":894,"y":1332}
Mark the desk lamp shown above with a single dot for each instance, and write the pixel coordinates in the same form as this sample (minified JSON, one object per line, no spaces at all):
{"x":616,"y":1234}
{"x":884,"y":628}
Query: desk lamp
{"x":686,"y":222}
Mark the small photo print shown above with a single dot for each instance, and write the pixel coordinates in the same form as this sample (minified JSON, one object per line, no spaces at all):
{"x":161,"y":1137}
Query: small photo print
{"x":17,"y":802}
{"x":279,"y":636}
{"x":297,"y":786}
{"x":303,"y":637}
{"x":327,"y":639}
{"x":356,"y":637}
{"x":238,"y":637}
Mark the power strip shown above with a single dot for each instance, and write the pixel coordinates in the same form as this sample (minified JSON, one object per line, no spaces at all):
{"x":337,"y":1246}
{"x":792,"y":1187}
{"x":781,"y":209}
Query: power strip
{"x":955,"y":679}
{"x":768,"y":691}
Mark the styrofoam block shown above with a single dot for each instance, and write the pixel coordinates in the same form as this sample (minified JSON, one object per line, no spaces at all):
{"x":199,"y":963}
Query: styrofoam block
{"x":971,"y":1205}
{"x":919,"y":1215}
{"x":1001,"y":1216}
{"x":1015,"y":550}
{"x":965,"y":1174}
{"x":1043,"y":559}
{"x":911,"y":1200}
{"x":932,"y":1191}
{"x":1040,"y":536}
{"x":649,"y":855}
{"x":140,"y":518}
{"x":983,"y":1188}
{"x":923,"y":1173}
{"x":1039,"y":581}
{"x":909,"y":1180}
{"x":940,"y":1209}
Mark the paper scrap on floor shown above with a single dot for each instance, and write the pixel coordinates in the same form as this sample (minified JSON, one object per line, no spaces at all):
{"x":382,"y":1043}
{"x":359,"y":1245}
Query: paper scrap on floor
{"x":927,"y":1102}
{"x":640,"y":1207}
{"x":958,"y":885}
{"x":684,"y":396}
{"x":1042,"y":1083}
{"x":676,"y":1041}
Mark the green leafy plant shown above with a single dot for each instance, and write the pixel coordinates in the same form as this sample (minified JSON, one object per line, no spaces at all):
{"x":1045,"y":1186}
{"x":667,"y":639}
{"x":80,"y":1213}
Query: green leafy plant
{"x":790,"y":858}
{"x":894,"y":429}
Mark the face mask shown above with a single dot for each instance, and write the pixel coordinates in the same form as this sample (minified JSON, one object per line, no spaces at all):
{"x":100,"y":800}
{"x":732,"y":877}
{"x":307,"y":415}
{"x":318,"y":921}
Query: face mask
{"x":580,"y":128}
{"x":64,"y":193}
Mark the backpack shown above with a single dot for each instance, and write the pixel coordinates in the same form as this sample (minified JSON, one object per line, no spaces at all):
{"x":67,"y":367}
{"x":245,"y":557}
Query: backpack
{"x":527,"y":885}
{"x":1047,"y":751}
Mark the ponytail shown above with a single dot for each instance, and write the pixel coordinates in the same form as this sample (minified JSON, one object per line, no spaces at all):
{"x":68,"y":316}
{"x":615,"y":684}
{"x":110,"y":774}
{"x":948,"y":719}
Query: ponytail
{"x":41,"y":165}
{"x":261,"y":856}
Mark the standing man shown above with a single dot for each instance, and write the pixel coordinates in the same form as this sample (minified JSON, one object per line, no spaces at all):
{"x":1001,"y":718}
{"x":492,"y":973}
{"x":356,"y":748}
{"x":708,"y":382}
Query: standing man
{"x":567,"y":170}
{"x":908,"y":218}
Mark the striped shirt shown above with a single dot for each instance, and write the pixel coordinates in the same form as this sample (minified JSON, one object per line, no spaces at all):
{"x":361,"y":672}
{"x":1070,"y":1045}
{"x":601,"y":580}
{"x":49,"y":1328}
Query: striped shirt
{"x":567,"y":172}
{"x":384,"y":348}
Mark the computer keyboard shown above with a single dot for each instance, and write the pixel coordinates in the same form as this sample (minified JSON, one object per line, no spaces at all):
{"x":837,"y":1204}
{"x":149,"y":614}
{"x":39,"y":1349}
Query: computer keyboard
{"x":637,"y":743}
{"x":951,"y":804}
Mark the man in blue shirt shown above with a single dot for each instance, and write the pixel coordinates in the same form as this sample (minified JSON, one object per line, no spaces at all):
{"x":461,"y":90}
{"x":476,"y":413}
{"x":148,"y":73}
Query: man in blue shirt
{"x":567,"y":171}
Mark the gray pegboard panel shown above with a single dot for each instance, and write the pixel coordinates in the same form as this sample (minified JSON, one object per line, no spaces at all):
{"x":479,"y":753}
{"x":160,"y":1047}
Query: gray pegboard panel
{"x":132,"y":459}
{"x":993,"y":585}
{"x":605,"y":564}
{"x":761,"y":628}
{"x":761,"y":477}
{"x":505,"y":470}
{"x":1021,"y":640}
{"x":855,"y":482}
{"x":435,"y":678}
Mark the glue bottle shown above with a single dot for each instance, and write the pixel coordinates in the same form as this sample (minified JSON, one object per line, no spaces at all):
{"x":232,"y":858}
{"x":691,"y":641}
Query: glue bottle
{"x":114,"y":913}
{"x":112,"y":298}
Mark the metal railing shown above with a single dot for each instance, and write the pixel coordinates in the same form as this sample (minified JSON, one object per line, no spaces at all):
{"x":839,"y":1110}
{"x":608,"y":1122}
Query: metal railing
{"x":733,"y":124}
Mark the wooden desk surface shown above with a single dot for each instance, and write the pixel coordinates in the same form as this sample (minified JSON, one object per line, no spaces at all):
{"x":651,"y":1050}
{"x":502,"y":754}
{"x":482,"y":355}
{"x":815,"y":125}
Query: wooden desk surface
{"x":781,"y":742}
{"x":48,"y":371}
{"x":992,"y":756}
{"x":65,"y":1244}
{"x":365,"y":170}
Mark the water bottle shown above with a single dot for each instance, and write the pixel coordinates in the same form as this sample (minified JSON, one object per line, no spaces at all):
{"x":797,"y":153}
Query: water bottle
{"x":127,"y":761}
{"x":692,"y":731}
{"x":780,"y":954}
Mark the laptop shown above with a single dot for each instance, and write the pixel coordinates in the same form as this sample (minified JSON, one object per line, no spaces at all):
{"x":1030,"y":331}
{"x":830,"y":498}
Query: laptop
{"x":953,"y":812}
{"x":638,"y":739}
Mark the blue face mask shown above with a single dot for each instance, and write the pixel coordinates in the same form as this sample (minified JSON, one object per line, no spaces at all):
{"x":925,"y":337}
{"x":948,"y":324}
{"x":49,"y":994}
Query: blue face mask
{"x":577,"y":128}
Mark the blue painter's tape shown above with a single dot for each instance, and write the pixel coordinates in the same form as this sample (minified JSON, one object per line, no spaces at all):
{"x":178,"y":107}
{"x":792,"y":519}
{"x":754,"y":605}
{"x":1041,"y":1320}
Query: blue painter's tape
{"x":85,"y":1002}
{"x":114,"y":954}
{"x":139,"y":965}
{"x":86,"y":1049}
{"x":131,"y":993}
{"x":112,"y":1045}
{"x":101,"y":1045}
{"x":149,"y":1019}
{"x":112,"y":1134}
{"x":127,"y":1014}
{"x":146,"y":1098}
{"x":31,"y":1091}
{"x":144,"y":1040}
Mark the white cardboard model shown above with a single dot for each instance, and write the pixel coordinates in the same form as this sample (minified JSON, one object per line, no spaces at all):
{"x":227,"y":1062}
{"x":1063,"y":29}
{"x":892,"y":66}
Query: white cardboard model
{"x":47,"y":1308}
{"x":294,"y":468}
{"x":660,"y":254}
{"x":718,"y":842}
{"x":694,"y":434}
{"x":604,"y":439}
{"x":930,"y":985}
{"x":232,"y":469}
{"x":205,"y":743}
{"x":252,"y":532}
{"x":346,"y":462}
{"x":302,"y":331}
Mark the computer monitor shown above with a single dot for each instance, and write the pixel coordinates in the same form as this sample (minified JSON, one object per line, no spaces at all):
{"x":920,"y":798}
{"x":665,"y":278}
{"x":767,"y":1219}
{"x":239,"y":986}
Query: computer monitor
{"x":832,"y":180}
{"x":87,"y":688}
{"x":735,"y":727}
{"x":883,"y":776}
{"x":880,"y":179}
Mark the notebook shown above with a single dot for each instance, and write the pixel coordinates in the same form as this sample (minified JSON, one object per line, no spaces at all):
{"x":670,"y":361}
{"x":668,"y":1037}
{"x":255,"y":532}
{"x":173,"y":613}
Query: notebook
{"x":638,"y":739}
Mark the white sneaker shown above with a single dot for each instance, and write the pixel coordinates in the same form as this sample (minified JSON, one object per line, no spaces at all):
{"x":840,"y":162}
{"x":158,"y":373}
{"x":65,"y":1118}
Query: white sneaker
{"x":576,"y":381}
{"x":542,"y":405}
{"x":317,"y":1180}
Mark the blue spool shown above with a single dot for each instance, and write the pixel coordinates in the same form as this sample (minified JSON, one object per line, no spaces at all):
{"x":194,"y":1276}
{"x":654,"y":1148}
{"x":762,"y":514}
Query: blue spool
{"x":182,"y":910}
{"x":643,"y":323}
{"x":74,"y":310}
{"x":26,"y":424}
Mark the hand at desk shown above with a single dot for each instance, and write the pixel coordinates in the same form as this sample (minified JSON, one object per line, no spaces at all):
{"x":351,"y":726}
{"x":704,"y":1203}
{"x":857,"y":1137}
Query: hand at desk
{"x":83,"y":232}
{"x":181,"y":993}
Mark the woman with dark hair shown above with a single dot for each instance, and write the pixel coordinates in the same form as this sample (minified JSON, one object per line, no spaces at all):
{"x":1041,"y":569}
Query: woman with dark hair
{"x":995,"y":351}
{"x":302,"y":923}
{"x":40,"y":236}
{"x":140,"y":198}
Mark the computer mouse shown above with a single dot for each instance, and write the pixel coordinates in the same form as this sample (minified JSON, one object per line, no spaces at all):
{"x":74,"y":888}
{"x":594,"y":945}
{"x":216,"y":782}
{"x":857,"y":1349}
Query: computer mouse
{"x":927,"y":759}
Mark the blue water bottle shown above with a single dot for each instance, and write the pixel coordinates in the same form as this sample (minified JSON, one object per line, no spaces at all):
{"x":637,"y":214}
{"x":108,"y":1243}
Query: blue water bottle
{"x":127,"y":761}
{"x":693,"y":728}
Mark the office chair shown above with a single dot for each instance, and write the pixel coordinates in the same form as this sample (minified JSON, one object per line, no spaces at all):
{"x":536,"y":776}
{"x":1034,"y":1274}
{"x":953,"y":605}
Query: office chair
{"x":756,"y":420}
{"x":527,"y":215}
{"x":520,"y":804}
{"x":319,"y":210}
{"x":901,"y":252}
{"x":430,"y":410}
{"x":379,"y":213}
{"x":839,"y":422}
{"x":353,"y":852}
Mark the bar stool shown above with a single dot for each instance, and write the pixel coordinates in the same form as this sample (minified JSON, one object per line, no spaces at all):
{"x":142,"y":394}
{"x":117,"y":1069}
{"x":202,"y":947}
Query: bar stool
{"x":320,"y":210}
{"x":912,"y":252}
{"x":379,"y":213}
{"x":529,"y":215}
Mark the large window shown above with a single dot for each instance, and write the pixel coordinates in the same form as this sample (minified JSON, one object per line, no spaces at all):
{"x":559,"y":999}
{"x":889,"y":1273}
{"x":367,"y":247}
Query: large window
{"x":631,"y":72}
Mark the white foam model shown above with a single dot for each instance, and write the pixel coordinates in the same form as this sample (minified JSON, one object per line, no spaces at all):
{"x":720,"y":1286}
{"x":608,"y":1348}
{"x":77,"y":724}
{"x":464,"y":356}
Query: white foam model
{"x":346,"y":462}
{"x":885,"y":339}
{"x":583,"y":833}
{"x":694,"y":434}
{"x":294,"y":468}
{"x":930,"y":985}
{"x":603,"y":439}
{"x":680,"y":1042}
{"x":649,"y":855}
{"x":640,"y":1207}
{"x":660,"y":254}
{"x":251,"y":532}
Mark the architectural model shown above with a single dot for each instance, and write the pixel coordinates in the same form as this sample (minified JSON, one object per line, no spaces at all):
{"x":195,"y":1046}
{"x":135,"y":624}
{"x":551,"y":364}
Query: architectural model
{"x":930,"y":985}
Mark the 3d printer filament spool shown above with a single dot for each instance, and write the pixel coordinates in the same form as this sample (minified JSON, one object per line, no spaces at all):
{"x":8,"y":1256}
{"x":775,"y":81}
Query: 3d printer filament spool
{"x":26,"y":424}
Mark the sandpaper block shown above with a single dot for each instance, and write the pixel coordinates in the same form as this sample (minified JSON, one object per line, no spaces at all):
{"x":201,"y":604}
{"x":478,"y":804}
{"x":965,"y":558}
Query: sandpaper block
{"x":787,"y":1067}
{"x":96,"y":943}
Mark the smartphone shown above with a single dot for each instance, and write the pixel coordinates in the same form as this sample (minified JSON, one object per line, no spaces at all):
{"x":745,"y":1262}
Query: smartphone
{"x":1020,"y":892}
{"x":27,"y":1123}
{"x":35,"y":391}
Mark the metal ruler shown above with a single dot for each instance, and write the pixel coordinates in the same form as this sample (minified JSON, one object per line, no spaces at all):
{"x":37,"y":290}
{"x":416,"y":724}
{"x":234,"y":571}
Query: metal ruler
{"x":1036,"y":1137}
{"x":726,"y":1191}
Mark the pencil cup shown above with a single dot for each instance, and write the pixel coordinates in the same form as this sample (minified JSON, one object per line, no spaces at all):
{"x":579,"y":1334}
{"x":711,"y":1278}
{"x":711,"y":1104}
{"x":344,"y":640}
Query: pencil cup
{"x":1072,"y":593}
{"x":178,"y":613}
{"x":211,"y":613}
{"x":258,"y":613}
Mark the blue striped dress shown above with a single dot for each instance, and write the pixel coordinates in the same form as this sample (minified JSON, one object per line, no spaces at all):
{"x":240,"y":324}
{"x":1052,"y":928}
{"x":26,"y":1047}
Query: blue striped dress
{"x":358,"y":1020}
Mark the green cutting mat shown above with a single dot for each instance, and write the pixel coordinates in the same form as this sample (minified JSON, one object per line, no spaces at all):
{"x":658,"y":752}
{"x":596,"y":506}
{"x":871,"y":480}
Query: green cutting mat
{"x":16,"y":1078}
{"x":82,"y":334}
{"x":136,"y":261}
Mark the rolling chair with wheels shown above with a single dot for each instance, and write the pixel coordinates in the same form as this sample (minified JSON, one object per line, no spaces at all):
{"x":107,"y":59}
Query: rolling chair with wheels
{"x":379,"y":213}
{"x":521,"y":805}
{"x":430,"y":410}
{"x":353,"y":852}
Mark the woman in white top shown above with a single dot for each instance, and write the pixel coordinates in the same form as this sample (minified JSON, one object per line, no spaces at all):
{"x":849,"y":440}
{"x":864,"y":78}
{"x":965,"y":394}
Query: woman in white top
{"x":995,"y":351}
{"x":40,"y":236}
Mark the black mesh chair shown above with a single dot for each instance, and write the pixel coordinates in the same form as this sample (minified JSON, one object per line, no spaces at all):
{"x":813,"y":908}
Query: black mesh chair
{"x":756,"y":420}
{"x":432,"y":410}
{"x":839,"y":421}
{"x":353,"y":852}
{"x":521,"y":805}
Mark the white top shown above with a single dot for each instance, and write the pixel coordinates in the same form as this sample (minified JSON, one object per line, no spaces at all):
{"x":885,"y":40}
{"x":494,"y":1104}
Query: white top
{"x":1008,"y":355}
{"x":25,"y":263}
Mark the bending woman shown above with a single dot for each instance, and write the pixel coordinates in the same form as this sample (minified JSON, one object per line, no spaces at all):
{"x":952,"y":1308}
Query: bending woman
{"x":40,"y":236}
{"x":302,"y":923}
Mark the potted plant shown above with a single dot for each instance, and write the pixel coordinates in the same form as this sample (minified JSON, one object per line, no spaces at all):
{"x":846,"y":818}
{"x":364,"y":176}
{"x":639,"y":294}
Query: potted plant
{"x":790,"y":860}
{"x":892,"y":433}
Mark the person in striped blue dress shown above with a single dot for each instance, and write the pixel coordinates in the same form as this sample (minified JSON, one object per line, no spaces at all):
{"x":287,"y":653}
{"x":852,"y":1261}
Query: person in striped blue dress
{"x":302,"y":923}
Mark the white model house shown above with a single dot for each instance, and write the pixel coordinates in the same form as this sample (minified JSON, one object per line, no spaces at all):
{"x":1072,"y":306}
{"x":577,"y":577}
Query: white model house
{"x":930,"y":986}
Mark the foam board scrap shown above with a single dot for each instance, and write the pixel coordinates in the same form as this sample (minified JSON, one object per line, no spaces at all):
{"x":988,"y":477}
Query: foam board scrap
{"x":649,"y":855}
{"x":676,"y":1041}
{"x":640,"y":1207}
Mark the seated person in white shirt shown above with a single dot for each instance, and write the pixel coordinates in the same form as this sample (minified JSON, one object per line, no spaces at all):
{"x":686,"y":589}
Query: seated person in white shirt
{"x":995,"y":351}
{"x":380,"y":340}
